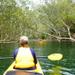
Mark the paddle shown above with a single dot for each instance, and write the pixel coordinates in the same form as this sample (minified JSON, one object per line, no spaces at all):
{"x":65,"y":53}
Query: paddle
{"x":52,"y":57}
{"x":5,"y":58}
{"x":12,"y":57}
{"x":55,"y":56}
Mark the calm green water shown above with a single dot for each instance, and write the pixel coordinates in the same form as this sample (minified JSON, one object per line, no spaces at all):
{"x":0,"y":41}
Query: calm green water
{"x":66,"y":66}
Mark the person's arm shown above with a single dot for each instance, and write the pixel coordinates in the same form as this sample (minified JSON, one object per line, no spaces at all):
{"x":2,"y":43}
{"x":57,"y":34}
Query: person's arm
{"x":15,"y":53}
{"x":34,"y":56}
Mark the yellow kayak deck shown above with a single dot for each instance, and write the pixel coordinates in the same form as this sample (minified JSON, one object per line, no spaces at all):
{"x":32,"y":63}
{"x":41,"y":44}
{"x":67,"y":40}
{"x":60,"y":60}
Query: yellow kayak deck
{"x":11,"y":71}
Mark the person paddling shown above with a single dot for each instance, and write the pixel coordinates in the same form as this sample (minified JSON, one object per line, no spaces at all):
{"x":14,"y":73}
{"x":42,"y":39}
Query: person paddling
{"x":25,"y":57}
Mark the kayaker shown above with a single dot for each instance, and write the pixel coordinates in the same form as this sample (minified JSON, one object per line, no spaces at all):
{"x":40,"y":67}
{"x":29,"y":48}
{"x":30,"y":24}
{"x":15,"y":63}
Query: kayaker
{"x":25,"y":57}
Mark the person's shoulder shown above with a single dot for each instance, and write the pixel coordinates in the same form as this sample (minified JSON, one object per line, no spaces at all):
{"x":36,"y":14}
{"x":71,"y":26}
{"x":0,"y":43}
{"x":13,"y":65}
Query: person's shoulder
{"x":31,"y":49}
{"x":16,"y":49}
{"x":15,"y":52}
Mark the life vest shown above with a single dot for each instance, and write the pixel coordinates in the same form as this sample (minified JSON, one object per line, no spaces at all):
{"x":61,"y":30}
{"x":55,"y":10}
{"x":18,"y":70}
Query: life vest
{"x":24,"y":58}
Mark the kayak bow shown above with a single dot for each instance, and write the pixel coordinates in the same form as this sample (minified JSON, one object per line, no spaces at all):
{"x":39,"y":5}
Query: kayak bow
{"x":11,"y":71}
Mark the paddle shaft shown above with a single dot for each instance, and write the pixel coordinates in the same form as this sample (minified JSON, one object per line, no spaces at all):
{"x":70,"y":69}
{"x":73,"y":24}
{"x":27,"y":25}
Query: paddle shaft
{"x":12,"y":57}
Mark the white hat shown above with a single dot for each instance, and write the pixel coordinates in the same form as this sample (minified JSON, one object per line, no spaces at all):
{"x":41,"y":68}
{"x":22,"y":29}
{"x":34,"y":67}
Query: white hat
{"x":23,"y":39}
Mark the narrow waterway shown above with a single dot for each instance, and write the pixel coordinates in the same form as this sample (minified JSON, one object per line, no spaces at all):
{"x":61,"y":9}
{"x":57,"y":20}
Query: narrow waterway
{"x":66,"y":66}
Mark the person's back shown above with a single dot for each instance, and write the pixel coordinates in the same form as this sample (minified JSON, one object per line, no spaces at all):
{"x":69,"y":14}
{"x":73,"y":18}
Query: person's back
{"x":25,"y":57}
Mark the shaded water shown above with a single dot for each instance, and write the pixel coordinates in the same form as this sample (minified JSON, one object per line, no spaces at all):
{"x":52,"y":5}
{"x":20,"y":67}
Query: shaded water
{"x":66,"y":66}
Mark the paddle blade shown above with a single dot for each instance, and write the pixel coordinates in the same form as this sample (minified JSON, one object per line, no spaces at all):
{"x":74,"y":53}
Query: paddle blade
{"x":55,"y":56}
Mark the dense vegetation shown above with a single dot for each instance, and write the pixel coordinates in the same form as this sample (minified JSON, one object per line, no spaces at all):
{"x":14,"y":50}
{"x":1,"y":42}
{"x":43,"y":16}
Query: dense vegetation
{"x":52,"y":20}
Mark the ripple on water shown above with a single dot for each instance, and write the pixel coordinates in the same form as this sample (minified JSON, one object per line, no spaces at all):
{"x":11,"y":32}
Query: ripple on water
{"x":49,"y":67}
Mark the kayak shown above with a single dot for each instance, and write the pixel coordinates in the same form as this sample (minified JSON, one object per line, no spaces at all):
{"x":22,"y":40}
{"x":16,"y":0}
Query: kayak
{"x":11,"y":71}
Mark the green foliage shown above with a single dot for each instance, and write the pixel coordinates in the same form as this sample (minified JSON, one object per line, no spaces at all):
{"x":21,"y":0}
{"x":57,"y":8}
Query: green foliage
{"x":14,"y":21}
{"x":54,"y":18}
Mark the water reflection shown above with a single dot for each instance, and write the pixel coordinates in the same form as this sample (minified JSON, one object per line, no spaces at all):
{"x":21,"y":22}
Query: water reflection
{"x":41,"y":42}
{"x":56,"y":70}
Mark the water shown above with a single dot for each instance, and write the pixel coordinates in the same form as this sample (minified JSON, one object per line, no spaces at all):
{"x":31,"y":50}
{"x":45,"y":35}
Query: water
{"x":66,"y":66}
